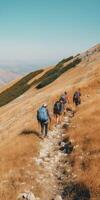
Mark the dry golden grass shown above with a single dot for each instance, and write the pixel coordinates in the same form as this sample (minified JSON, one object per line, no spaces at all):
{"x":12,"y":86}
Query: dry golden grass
{"x":17,"y":150}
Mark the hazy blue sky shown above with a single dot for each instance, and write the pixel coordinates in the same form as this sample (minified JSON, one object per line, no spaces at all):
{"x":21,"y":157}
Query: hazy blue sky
{"x":40,"y":32}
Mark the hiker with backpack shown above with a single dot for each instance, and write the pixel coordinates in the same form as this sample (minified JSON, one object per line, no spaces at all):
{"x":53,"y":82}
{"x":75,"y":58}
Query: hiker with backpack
{"x":65,"y":100}
{"x":58,"y":111}
{"x":43,"y":118}
{"x":77,"y":97}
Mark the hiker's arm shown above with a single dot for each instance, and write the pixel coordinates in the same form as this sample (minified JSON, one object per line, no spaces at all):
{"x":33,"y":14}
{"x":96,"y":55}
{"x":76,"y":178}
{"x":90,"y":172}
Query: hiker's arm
{"x":38,"y":116}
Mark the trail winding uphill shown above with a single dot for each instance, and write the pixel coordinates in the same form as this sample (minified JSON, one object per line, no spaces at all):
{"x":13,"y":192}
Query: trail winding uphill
{"x":55,"y":176}
{"x":51,"y":161}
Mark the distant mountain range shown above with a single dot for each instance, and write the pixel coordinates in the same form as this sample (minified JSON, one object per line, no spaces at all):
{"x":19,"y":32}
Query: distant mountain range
{"x":8,"y":74}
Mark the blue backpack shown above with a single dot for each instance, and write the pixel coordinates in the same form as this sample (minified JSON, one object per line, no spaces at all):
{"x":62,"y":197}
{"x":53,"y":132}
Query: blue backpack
{"x":42,"y":114}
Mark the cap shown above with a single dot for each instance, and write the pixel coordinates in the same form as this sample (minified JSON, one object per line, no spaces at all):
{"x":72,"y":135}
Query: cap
{"x":44,"y":105}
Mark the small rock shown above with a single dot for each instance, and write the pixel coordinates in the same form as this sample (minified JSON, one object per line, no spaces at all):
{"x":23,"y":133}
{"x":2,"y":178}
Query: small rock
{"x":74,"y":176}
{"x":68,"y":170}
{"x":65,"y":126}
{"x":39,"y":161}
{"x":26,"y":196}
{"x":77,"y":146}
{"x":58,"y":197}
{"x":62,"y":144}
{"x":47,"y":159}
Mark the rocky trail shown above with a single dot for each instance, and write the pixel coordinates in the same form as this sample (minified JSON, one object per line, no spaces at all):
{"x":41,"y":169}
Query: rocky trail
{"x":51,"y":158}
{"x":55,"y":176}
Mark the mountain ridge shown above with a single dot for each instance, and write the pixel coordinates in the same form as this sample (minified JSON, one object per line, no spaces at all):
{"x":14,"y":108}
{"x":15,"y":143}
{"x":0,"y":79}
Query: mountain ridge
{"x":8,"y":74}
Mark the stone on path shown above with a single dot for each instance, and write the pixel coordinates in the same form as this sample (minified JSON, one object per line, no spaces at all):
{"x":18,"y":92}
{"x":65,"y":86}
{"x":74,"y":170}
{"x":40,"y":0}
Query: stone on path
{"x":58,"y":197}
{"x":26,"y":196}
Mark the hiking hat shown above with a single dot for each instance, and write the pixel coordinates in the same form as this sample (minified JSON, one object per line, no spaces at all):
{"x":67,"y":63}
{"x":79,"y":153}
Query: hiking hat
{"x":44,"y":105}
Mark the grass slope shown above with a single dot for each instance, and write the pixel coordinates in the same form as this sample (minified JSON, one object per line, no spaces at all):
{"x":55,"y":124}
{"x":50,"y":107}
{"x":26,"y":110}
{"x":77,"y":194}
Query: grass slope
{"x":17,"y":89}
{"x":57,"y":71}
{"x":48,"y":77}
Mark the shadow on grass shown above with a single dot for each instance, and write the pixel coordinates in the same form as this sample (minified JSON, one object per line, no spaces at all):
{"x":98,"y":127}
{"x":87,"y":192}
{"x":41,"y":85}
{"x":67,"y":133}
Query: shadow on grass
{"x":18,"y":88}
{"x":76,"y":191}
{"x":31,"y":132}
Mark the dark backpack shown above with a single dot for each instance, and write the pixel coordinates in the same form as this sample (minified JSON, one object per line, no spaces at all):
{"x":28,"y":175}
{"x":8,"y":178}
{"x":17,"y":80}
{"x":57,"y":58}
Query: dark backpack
{"x":57,"y":107}
{"x":63,"y":99}
{"x":42,"y":115}
{"x":76,"y":97}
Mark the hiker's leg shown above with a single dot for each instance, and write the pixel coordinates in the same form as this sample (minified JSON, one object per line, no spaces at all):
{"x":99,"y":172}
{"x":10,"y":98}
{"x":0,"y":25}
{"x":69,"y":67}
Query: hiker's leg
{"x":46,"y":129}
{"x":42,"y":127}
{"x":76,"y":103}
{"x":60,"y":118}
{"x":65,"y":109}
{"x":79,"y":101}
{"x":57,"y":118}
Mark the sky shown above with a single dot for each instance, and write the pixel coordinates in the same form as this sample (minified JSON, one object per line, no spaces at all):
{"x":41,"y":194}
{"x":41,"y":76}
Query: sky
{"x":41,"y":32}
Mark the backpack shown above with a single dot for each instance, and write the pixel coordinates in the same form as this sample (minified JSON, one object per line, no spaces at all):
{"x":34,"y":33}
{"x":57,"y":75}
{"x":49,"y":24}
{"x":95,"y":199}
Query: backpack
{"x":77,"y":95}
{"x":63,"y":99}
{"x":57,"y":107}
{"x":42,"y":115}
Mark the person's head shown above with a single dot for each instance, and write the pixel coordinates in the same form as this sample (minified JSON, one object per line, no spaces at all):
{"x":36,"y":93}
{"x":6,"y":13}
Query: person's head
{"x":65,"y":93}
{"x":44,"y":105}
{"x":61,"y":101}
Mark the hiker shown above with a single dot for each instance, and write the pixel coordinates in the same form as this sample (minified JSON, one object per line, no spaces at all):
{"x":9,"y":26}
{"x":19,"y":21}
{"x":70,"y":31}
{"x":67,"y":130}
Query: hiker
{"x":65,"y":100}
{"x":43,"y":118}
{"x":58,"y":110}
{"x":77,"y":97}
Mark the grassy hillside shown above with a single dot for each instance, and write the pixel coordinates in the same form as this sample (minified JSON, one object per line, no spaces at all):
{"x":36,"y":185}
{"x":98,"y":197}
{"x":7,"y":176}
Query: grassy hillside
{"x":20,"y":142}
{"x":18,"y":88}
{"x":57,"y":71}
{"x":48,"y":77}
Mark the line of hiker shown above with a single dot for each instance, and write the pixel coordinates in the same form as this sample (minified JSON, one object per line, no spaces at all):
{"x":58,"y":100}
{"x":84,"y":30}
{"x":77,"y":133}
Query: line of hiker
{"x":59,"y":110}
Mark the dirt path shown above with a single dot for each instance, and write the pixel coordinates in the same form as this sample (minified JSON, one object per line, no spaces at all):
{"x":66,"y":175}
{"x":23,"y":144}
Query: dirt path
{"x":50,"y":174}
{"x":56,"y":176}
{"x":51,"y":161}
